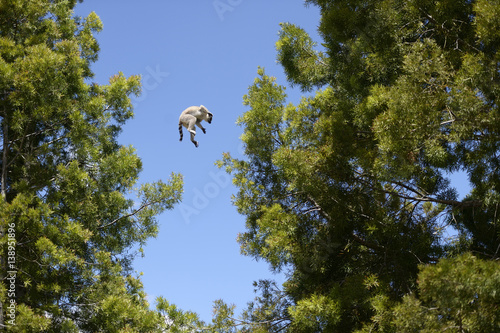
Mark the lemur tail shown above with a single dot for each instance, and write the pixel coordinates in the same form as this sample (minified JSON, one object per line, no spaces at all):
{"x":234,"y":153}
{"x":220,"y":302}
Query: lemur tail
{"x":180,"y":131}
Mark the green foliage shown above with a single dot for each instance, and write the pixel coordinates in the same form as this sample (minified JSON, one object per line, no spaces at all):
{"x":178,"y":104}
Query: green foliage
{"x":316,"y":313}
{"x":457,"y":295}
{"x":303,"y":65}
{"x":222,"y":320}
{"x":349,"y":192}
{"x":67,"y":185}
{"x":176,"y":320}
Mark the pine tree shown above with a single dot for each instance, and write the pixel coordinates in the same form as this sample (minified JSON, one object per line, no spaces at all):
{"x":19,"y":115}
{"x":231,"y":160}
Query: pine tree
{"x":349,"y":192}
{"x":70,"y":216}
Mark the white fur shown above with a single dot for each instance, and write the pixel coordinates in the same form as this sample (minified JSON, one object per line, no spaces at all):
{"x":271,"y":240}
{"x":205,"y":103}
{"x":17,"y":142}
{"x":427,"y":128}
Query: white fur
{"x":192,"y":116}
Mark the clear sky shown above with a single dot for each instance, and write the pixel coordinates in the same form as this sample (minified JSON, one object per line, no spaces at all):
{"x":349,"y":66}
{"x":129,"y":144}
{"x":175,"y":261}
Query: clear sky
{"x":190,"y":53}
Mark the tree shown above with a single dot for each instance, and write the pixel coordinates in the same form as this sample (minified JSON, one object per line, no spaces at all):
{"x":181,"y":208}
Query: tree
{"x":348,"y":192}
{"x":69,"y":219}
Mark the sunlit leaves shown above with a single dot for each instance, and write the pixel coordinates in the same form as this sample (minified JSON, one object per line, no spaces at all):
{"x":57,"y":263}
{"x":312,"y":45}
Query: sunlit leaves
{"x":459,"y":294}
{"x":176,"y":320}
{"x":316,"y":313}
{"x":303,"y":65}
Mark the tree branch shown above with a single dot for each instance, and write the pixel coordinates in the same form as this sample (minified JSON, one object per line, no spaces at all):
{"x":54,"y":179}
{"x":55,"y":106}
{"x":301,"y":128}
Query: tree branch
{"x":128,"y":215}
{"x":448,"y":32}
{"x":353,"y":236}
{"x":426,"y":198}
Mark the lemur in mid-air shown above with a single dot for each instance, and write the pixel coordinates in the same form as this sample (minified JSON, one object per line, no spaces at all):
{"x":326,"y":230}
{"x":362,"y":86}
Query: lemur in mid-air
{"x":194,"y":115}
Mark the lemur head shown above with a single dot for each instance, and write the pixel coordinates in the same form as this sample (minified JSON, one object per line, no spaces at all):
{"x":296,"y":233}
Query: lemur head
{"x":208,"y":114}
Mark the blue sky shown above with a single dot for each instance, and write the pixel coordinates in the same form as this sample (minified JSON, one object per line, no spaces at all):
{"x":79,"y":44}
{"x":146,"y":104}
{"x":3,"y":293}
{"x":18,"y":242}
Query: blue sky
{"x":190,"y":53}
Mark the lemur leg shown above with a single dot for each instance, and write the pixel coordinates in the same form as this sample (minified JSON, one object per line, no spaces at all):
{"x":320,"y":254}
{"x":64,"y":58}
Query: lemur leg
{"x":198,"y":123}
{"x":192,"y":130}
{"x":190,"y":125}
{"x":194,"y":141}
